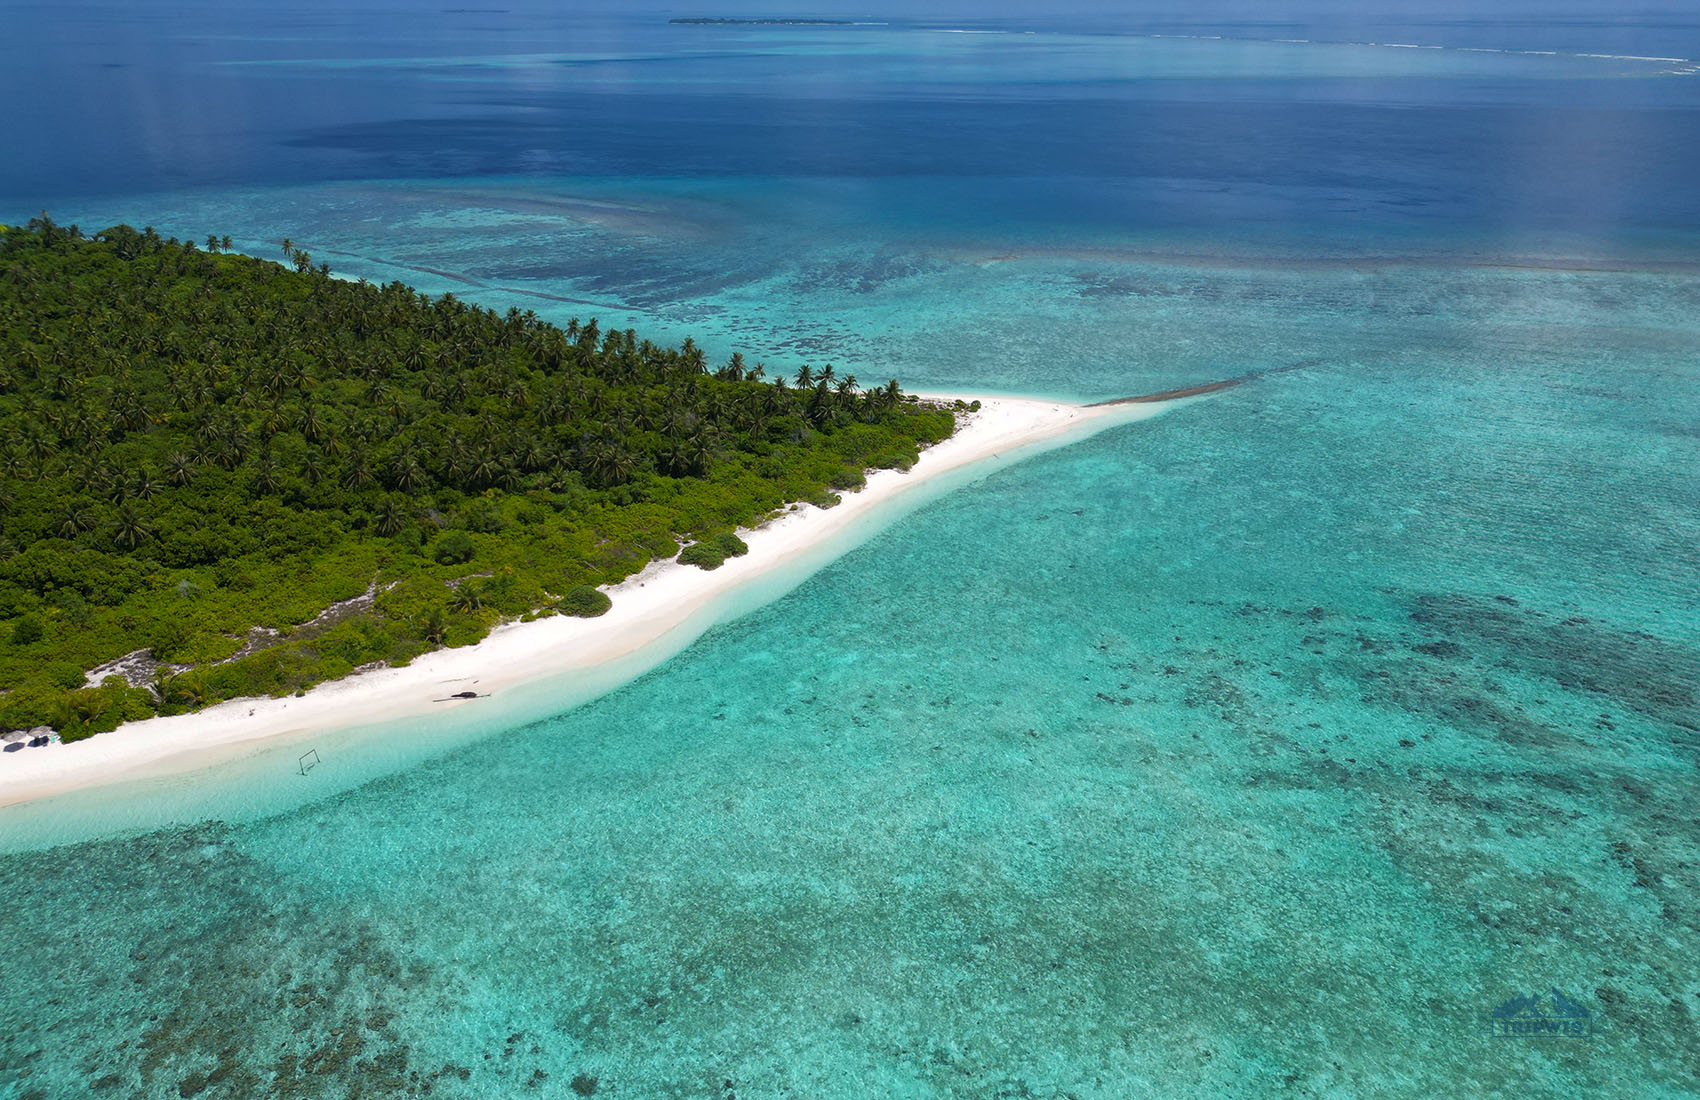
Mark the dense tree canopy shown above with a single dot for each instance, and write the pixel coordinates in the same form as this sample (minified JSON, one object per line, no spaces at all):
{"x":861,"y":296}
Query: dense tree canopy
{"x":247,"y":477}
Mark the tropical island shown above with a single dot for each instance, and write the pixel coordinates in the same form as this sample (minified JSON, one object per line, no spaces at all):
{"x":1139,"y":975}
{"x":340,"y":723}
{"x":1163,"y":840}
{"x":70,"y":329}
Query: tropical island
{"x":226,"y":477}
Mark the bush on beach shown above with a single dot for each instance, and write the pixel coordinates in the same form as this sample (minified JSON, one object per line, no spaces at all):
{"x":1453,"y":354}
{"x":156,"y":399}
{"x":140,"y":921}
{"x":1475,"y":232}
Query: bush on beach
{"x":585,"y":602}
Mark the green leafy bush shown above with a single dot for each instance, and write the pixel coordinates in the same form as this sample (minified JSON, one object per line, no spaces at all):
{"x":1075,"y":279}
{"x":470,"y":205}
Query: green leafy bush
{"x":65,"y":674}
{"x":729,"y":544}
{"x":453,"y":548}
{"x":27,"y":630}
{"x":848,"y":479}
{"x":704,"y":555}
{"x":483,"y":518}
{"x":585,"y":602}
{"x":712,"y":551}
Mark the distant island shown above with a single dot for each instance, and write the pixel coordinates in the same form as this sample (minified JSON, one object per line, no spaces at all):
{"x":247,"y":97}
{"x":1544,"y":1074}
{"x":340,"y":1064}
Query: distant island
{"x":222,"y":476}
{"x":763,"y":22}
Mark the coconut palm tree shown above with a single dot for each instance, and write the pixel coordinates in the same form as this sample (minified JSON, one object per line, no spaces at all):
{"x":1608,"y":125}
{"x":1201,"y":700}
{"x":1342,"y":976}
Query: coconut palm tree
{"x":358,"y":475}
{"x":467,"y":598}
{"x":76,"y":519}
{"x":311,"y":423}
{"x":268,"y":477}
{"x":435,"y":626}
{"x":129,"y":531}
{"x":144,"y":485}
{"x":178,"y":691}
{"x":179,"y":468}
{"x":390,"y":517}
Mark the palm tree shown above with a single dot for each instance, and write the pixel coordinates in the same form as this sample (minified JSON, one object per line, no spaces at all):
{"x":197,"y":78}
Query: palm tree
{"x":467,"y":598}
{"x":435,"y":626}
{"x":311,"y":424}
{"x":407,"y":473}
{"x":486,"y":468}
{"x":268,"y":478}
{"x":700,"y":451}
{"x":76,"y":519}
{"x":555,"y":408}
{"x":805,"y":377}
{"x":173,"y":690}
{"x":179,"y":468}
{"x":144,"y":485}
{"x":677,"y":456}
{"x":129,"y":531}
{"x":390,"y":517}
{"x":358,"y":475}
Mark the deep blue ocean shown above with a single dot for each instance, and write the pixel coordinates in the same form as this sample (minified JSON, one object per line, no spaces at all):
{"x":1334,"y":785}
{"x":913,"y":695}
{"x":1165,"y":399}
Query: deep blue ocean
{"x":1263,"y":748}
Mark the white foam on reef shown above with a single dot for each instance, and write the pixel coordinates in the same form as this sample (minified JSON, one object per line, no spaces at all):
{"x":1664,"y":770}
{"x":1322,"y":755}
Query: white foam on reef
{"x":1632,"y":57}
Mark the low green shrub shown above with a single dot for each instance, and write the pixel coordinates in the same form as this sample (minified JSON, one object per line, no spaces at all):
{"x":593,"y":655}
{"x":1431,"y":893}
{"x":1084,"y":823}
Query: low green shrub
{"x":712,"y":552}
{"x":454,"y":548}
{"x":27,"y":630}
{"x":483,"y":518}
{"x":729,"y":544}
{"x":585,"y":602}
{"x":64,"y":674}
{"x":703,"y":555}
{"x":848,"y":479}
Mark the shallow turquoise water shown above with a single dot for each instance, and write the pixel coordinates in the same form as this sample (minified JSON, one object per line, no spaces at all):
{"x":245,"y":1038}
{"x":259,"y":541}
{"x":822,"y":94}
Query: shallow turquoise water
{"x":1212,"y":756}
{"x":1256,"y":750}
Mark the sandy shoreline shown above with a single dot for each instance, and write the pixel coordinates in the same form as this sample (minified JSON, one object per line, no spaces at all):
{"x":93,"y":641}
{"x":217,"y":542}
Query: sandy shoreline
{"x":666,"y":599}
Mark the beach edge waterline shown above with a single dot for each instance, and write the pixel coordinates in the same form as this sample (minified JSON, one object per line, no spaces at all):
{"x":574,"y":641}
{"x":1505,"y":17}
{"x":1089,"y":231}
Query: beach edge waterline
{"x":655,"y":614}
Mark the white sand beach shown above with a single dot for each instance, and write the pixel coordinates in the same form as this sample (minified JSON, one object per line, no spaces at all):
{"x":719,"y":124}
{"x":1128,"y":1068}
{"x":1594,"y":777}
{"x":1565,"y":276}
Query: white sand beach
{"x":655,"y":613}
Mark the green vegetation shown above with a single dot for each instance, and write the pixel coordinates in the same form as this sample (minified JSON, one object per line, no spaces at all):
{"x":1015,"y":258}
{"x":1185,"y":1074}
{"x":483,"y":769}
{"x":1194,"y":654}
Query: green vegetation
{"x":712,"y":552}
{"x":585,"y":602}
{"x":244,"y":478}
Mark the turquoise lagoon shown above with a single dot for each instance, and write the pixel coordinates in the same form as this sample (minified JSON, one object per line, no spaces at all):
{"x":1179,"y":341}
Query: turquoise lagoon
{"x":1262,"y":748}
